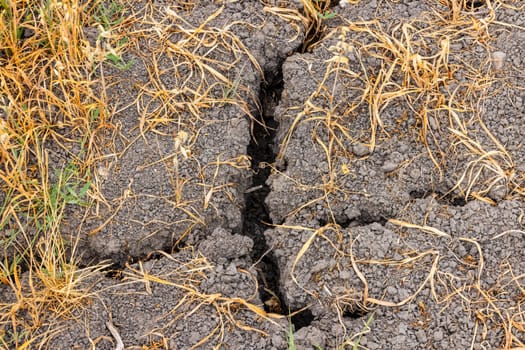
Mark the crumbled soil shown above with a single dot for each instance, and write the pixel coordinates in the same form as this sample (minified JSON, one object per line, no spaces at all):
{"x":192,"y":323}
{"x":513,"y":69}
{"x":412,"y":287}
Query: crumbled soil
{"x":285,"y":197}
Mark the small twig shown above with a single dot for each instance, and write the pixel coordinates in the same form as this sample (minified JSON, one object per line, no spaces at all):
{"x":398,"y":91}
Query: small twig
{"x":253,"y":189}
{"x":116,"y":335}
{"x":261,"y":258}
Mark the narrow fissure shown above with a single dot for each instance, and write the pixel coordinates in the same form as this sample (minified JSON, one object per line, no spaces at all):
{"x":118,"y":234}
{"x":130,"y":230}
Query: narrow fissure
{"x":256,"y":218}
{"x":444,"y":199}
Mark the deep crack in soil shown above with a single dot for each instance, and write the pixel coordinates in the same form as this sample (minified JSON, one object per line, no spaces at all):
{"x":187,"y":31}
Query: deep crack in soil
{"x":255,"y":217}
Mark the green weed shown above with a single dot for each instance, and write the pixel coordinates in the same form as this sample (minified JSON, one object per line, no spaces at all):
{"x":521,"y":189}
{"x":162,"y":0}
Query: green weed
{"x":326,"y":15}
{"x":109,"y":15}
{"x":70,"y":188}
{"x":365,"y":330}
{"x":291,"y":343}
{"x":118,"y":61}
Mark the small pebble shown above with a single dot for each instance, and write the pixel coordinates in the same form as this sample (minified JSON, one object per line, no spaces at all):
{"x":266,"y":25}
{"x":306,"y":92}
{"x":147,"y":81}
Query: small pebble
{"x":421,"y":336}
{"x":345,"y":275}
{"x":389,"y":166}
{"x":498,"y":59}
{"x":320,"y":266}
{"x":361,"y":150}
{"x":103,"y":171}
{"x":391,"y":290}
{"x":373,"y":346}
{"x":352,"y":213}
{"x":498,"y":193}
{"x":404,"y":315}
{"x":415,"y":174}
{"x":432,"y":123}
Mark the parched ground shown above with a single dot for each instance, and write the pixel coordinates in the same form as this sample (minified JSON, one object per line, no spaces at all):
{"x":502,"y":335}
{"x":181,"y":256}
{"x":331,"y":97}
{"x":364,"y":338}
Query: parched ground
{"x":262,"y":175}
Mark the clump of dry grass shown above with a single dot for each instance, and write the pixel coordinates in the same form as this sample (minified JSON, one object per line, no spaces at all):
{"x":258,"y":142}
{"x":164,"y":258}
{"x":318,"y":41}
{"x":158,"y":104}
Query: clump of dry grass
{"x":48,"y":99}
{"x":49,"y":105}
{"x":314,"y":13}
{"x":53,"y":287}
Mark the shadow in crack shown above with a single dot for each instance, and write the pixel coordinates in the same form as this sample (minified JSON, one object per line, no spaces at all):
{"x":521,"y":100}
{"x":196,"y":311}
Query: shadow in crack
{"x":256,"y":219}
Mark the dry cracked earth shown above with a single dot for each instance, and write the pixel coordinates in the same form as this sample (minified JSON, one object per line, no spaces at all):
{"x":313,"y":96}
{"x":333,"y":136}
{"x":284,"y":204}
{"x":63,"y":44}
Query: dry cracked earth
{"x":360,"y":182}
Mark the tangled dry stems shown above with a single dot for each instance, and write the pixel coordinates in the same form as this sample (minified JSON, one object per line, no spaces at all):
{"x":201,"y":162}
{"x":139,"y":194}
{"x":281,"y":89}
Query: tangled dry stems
{"x":186,"y":280}
{"x":417,"y":70}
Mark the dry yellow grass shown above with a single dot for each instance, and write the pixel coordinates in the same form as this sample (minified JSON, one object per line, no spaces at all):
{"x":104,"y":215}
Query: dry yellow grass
{"x":49,"y":102}
{"x":187,"y":279}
